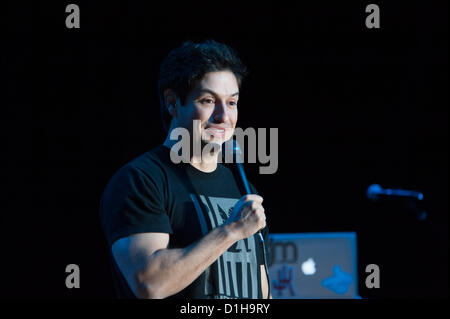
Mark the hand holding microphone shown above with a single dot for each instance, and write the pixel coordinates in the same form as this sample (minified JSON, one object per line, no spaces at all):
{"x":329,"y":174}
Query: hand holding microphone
{"x":248,"y":216}
{"x":248,"y":208}
{"x":248,"y":213}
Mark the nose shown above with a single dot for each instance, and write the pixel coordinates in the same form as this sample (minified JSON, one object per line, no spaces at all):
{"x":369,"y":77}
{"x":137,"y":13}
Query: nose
{"x":220,"y":114}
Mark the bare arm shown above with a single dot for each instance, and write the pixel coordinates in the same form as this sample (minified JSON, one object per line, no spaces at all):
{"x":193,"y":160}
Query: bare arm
{"x":154,"y":271}
{"x":264,"y":283}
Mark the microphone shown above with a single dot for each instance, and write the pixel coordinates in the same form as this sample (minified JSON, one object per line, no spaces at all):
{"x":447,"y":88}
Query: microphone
{"x":236,"y":151}
{"x":239,"y":159}
{"x":375,"y":192}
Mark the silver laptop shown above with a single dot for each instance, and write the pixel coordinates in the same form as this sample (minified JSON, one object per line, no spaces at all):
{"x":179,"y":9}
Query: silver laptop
{"x":313,"y":265}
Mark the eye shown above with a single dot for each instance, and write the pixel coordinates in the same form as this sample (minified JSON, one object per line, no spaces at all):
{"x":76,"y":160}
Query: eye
{"x":233,"y":103}
{"x":207,"y":101}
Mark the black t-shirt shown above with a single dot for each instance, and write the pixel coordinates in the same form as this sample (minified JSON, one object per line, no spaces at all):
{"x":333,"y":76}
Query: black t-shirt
{"x":152,"y":194}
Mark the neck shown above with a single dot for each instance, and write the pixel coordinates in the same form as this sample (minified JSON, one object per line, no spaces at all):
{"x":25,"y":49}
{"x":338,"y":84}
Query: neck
{"x":205,"y":162}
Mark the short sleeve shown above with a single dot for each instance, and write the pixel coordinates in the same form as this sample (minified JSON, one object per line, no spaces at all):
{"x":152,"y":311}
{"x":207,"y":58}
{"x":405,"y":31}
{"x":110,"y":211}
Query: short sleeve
{"x":133,"y":202}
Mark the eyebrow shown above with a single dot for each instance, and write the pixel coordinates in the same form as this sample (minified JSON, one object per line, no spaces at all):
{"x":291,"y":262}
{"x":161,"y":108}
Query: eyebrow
{"x":214,"y":93}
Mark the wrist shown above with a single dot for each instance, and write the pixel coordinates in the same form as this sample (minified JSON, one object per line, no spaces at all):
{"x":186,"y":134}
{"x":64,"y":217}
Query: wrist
{"x":231,"y":231}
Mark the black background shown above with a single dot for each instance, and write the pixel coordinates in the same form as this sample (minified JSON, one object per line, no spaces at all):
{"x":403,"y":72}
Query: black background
{"x":353,"y":107}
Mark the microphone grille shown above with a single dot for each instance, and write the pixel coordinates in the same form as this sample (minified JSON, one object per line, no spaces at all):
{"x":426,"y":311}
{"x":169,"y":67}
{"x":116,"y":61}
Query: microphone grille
{"x":373,"y":191}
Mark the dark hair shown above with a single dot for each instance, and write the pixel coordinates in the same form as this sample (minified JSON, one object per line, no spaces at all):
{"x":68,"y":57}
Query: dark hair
{"x":186,"y":65}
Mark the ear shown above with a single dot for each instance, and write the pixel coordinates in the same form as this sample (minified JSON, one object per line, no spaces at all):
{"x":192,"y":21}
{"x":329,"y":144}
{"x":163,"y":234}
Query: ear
{"x":170,"y":99}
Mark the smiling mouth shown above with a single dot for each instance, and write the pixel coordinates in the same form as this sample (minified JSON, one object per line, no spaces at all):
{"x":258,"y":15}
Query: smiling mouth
{"x":216,"y":131}
{"x":220,"y":130}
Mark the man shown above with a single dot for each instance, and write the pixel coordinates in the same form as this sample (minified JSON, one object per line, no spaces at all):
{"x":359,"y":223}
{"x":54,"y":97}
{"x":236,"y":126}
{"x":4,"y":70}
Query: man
{"x":184,"y":230}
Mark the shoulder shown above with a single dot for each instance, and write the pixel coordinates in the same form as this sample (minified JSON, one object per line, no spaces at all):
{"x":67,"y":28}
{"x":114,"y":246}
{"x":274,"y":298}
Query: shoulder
{"x":148,"y":167}
{"x":151,"y":162}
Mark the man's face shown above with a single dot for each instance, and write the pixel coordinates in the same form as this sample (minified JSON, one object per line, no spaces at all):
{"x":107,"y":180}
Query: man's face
{"x":214,"y":103}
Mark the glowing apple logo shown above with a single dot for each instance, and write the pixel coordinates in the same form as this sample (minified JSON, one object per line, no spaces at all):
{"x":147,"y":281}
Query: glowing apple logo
{"x":309,"y":267}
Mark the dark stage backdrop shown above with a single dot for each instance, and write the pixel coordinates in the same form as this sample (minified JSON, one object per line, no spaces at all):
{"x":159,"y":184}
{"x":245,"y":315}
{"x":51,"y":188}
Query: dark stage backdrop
{"x":353,"y":107}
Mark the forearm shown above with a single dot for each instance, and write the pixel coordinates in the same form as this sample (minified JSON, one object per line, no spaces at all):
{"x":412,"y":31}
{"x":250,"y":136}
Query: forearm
{"x":168,"y":271}
{"x":264,"y":284}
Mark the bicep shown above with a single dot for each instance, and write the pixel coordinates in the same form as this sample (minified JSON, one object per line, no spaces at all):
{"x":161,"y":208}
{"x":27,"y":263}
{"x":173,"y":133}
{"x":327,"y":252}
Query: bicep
{"x":132,"y":254}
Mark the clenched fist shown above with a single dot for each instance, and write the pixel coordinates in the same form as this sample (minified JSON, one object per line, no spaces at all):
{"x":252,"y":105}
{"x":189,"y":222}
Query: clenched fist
{"x":248,"y":216}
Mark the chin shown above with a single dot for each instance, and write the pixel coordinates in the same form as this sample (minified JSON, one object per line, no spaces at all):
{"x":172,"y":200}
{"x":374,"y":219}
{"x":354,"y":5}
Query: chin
{"x":217,"y":141}
{"x":226,"y":138}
